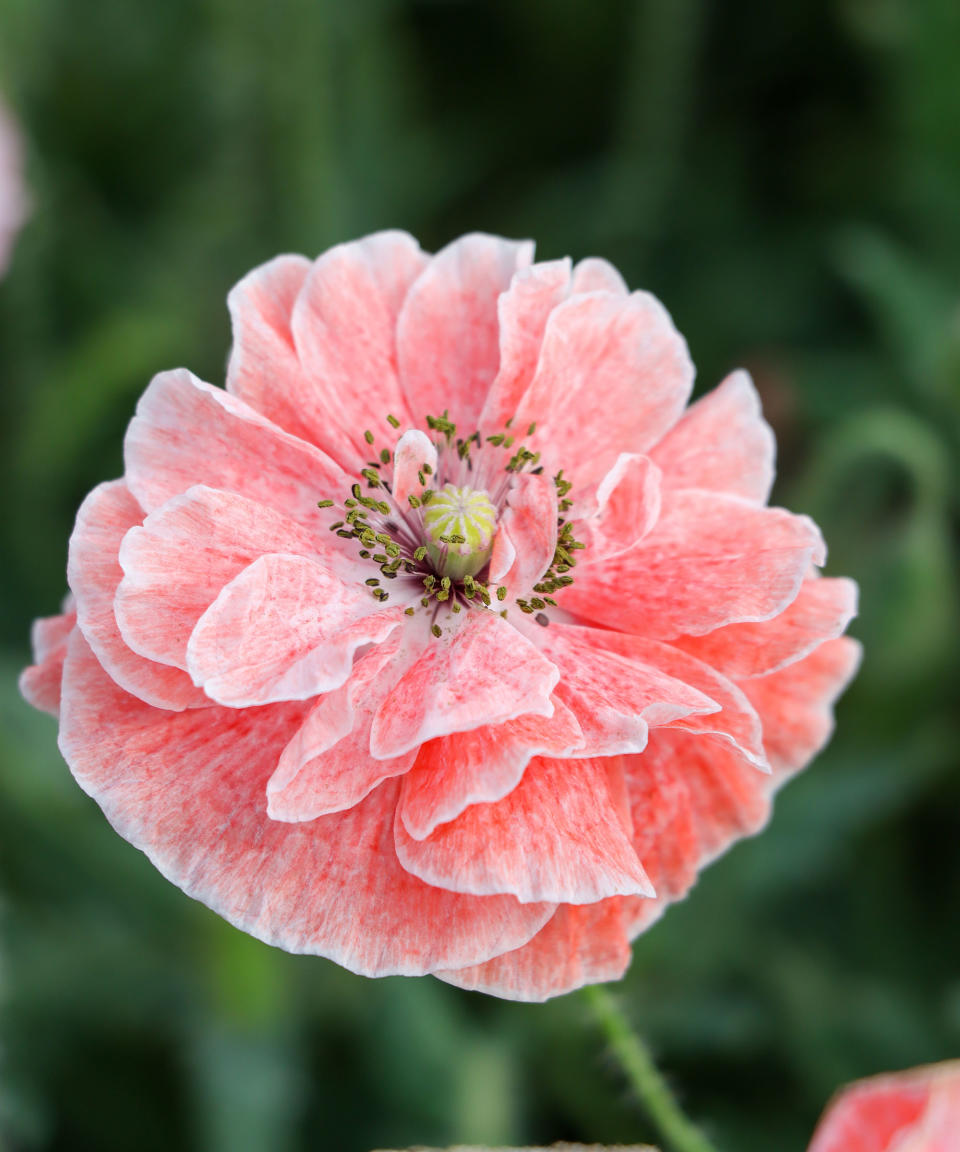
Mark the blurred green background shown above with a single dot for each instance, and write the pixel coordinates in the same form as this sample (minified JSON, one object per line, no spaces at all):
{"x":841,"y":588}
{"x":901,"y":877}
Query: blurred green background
{"x":786,"y":177}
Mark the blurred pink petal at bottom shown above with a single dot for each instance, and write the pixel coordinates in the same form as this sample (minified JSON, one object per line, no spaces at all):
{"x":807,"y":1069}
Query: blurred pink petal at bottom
{"x":914,"y":1111}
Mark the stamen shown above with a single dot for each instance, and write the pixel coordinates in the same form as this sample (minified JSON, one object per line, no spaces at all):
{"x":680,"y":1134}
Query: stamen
{"x":440,"y":539}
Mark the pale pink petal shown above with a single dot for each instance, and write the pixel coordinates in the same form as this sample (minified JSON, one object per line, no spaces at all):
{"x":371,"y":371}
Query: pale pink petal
{"x":613,"y":376}
{"x":13,"y":198}
{"x":175,"y":565}
{"x":556,"y":837}
{"x":40,"y":683}
{"x":502,"y":558}
{"x":285,"y":628}
{"x":344,"y":327}
{"x":692,"y":797}
{"x":94,"y":573}
{"x":795,"y":705}
{"x":581,"y":944}
{"x":822,"y":610}
{"x":448,"y":336}
{"x":726,"y":795}
{"x":327,"y":766}
{"x":721,"y":443}
{"x":664,"y":834}
{"x":710,"y":560}
{"x":413,"y":450}
{"x":527,"y":531}
{"x":480,"y":766}
{"x":597,"y":275}
{"x":626,"y":507}
{"x":264,"y":368}
{"x":188,"y":789}
{"x":735,"y":722}
{"x":913,"y":1111}
{"x":186,"y":432}
{"x":614,"y":694}
{"x":522,"y":311}
{"x":486,"y":672}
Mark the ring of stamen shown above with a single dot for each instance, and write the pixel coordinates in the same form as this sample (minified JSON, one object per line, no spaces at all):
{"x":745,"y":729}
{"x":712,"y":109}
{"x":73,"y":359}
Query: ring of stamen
{"x":439,"y":543}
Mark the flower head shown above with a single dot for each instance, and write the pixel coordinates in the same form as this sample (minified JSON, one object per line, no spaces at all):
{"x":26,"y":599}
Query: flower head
{"x":13,"y":204}
{"x":915,"y":1111}
{"x":447,"y":639}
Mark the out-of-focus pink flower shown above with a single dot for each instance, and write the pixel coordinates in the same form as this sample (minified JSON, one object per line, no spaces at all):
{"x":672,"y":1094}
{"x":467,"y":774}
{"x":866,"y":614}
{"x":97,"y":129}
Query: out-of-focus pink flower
{"x":539,"y":654}
{"x":915,"y":1111}
{"x":13,"y":202}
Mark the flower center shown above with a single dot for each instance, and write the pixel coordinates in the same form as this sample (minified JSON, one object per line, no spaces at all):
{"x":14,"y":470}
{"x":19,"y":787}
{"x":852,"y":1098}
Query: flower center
{"x":432,"y":545}
{"x":459,"y":525}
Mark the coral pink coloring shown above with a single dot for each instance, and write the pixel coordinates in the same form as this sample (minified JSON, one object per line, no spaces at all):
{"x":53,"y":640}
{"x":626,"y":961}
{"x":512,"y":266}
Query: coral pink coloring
{"x":448,"y":639}
{"x":915,"y":1111}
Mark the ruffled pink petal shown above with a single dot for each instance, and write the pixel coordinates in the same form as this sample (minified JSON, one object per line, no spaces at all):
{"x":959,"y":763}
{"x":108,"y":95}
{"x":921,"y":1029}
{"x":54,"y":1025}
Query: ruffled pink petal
{"x":448,"y":334}
{"x":40,"y":683}
{"x":728,"y":797}
{"x":694,"y":793}
{"x":913,"y":1111}
{"x":188,"y":790}
{"x":581,"y":944}
{"x":327,"y":766}
{"x":664,"y":838}
{"x":526,"y":537}
{"x":735,"y":722}
{"x":285,"y":628}
{"x":502,"y":558}
{"x":556,"y":837}
{"x":413,"y":450}
{"x":822,"y":610}
{"x":480,"y":767}
{"x":486,"y":672}
{"x":344,"y":328}
{"x":613,"y":376}
{"x":186,"y":432}
{"x":94,"y":573}
{"x":710,"y":560}
{"x":595,"y":274}
{"x":721,"y":443}
{"x":264,"y":369}
{"x":522,"y":310}
{"x":795,"y":705}
{"x":691,"y":798}
{"x":203,"y":539}
{"x":615,"y":695}
{"x":626,"y":507}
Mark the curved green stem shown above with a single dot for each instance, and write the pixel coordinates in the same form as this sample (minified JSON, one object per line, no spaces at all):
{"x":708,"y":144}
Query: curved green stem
{"x":680,"y":1133}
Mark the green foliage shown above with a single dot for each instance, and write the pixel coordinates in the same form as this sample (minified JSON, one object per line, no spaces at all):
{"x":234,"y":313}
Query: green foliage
{"x":786,"y":177}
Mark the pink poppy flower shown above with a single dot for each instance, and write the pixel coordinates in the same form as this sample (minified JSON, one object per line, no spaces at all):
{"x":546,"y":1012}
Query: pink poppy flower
{"x":447,"y":639}
{"x":13,"y":204}
{"x":915,"y":1111}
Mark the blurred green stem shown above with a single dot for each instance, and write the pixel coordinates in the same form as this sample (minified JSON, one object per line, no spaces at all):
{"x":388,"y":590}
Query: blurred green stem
{"x":679,"y":1132}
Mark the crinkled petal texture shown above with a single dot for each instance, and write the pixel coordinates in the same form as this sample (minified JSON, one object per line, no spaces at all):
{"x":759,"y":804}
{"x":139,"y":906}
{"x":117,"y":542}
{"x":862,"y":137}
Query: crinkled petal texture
{"x":914,"y":1111}
{"x":321,"y":726}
